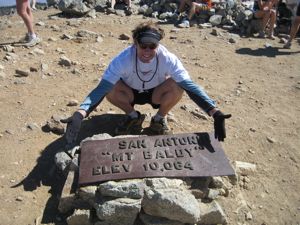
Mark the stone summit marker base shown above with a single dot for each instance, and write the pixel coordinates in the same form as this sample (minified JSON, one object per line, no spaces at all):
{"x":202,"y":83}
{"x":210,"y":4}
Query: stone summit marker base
{"x":180,"y":155}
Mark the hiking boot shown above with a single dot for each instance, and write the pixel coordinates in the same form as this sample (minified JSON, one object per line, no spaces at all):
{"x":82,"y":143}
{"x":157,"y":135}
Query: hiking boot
{"x":131,"y":125}
{"x":159,"y":127}
{"x":184,"y":24}
{"x":33,"y":41}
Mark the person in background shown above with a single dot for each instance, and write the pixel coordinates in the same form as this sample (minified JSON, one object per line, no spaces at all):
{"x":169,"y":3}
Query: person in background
{"x":145,"y":73}
{"x":128,"y":9}
{"x":294,"y":28}
{"x":194,"y":8}
{"x":33,"y":4}
{"x":266,"y":10}
{"x":24,"y":11}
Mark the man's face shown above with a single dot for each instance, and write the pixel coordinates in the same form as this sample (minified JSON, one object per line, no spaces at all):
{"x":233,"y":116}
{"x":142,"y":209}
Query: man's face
{"x":146,"y":51}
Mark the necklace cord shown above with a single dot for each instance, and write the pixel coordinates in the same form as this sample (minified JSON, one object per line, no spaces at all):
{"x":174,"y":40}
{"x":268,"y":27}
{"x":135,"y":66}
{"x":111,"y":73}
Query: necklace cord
{"x":137,"y":72}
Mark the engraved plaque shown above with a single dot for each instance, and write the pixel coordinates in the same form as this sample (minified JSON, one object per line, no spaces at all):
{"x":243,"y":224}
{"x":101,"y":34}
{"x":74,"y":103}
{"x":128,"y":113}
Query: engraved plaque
{"x":179,"y":155}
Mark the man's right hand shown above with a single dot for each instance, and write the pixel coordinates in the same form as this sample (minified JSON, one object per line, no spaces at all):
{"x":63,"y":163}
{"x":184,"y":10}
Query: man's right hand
{"x":73,"y":127}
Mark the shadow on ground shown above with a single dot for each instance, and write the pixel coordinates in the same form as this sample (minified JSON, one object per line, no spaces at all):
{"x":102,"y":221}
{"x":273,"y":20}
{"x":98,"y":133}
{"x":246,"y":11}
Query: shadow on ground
{"x":45,"y":173}
{"x":268,"y":51}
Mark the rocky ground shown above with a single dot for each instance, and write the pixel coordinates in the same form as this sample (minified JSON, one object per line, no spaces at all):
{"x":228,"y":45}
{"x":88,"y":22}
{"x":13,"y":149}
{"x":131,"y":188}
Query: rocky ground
{"x":258,"y":85}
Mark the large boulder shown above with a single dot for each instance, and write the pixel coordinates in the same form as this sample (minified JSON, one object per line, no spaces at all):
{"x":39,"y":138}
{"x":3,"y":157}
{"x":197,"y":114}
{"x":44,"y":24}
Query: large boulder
{"x":73,"y":7}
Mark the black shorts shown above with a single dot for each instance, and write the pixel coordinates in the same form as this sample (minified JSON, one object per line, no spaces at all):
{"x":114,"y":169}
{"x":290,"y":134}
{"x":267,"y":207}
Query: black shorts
{"x":298,"y":10}
{"x":142,"y":98}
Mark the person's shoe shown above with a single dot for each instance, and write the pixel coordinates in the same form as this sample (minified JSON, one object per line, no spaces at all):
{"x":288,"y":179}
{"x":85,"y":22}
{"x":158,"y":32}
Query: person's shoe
{"x":184,"y":24}
{"x":287,"y":45}
{"x":128,"y":11}
{"x":110,"y":11}
{"x":25,"y":39}
{"x":33,"y":41}
{"x":159,"y":127}
{"x":131,"y":125}
{"x":261,"y":34}
{"x":271,"y":36}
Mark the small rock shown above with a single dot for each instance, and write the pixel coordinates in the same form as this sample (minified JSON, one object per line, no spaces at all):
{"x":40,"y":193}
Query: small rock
{"x":32,"y":126}
{"x":40,"y":23}
{"x":38,"y":51}
{"x":205,"y":25}
{"x":232,"y":40}
{"x":8,"y":48}
{"x":73,"y":102}
{"x":268,"y":45}
{"x":33,"y":69}
{"x":52,"y":39}
{"x":2,"y":76}
{"x":64,"y":61}
{"x":19,"y":199}
{"x":271,"y":140}
{"x":215,"y":32}
{"x":22,"y":73}
{"x":124,"y":36}
{"x":99,"y":39}
{"x":249,"y":216}
{"x":251,"y":151}
{"x":44,"y":67}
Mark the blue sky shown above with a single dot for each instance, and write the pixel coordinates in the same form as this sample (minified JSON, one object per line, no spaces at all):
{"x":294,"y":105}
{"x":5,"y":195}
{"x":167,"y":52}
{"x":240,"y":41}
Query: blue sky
{"x":13,"y":2}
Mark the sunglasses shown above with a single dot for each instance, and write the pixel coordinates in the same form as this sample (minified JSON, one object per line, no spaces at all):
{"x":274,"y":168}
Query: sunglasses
{"x":152,"y":46}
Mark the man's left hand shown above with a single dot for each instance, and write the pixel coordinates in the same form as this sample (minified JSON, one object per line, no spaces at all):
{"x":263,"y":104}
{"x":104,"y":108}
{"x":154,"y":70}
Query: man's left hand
{"x":219,"y":124}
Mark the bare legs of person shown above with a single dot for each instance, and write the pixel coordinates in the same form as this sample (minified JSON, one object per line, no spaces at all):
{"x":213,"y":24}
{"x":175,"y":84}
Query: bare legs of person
{"x":166,"y":95}
{"x":194,"y":7}
{"x":293,"y":32}
{"x":24,"y":11}
{"x":268,"y":18}
{"x":185,"y":23}
{"x":33,"y":6}
{"x":127,"y":9}
{"x":121,"y":96}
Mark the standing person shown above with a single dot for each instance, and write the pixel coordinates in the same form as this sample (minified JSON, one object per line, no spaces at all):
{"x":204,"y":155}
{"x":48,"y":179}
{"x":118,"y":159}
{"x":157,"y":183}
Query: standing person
{"x":24,"y":11}
{"x":145,"y":73}
{"x":294,"y":28}
{"x":128,"y":9}
{"x":33,"y":4}
{"x":194,"y":7}
{"x":266,"y":10}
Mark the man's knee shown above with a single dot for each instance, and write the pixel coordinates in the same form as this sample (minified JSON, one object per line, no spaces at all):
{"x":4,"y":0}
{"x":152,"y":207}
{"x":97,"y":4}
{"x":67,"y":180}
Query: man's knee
{"x":173,"y":87}
{"x":120,"y":88}
{"x":21,"y":12}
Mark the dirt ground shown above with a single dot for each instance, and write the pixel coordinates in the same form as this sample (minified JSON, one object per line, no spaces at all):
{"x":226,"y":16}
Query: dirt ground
{"x":259,"y":86}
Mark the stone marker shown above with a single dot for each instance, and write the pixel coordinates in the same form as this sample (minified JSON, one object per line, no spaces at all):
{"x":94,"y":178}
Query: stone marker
{"x":180,"y":155}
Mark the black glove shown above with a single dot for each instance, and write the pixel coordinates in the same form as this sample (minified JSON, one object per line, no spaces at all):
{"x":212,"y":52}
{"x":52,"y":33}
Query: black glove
{"x":219,"y":124}
{"x":73,"y":127}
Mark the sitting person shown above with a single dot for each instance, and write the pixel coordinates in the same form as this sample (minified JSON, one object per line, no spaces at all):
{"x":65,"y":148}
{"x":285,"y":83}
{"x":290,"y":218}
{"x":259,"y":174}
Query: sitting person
{"x":294,"y":28}
{"x":194,"y":8}
{"x":127,"y":2}
{"x":266,"y":10}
